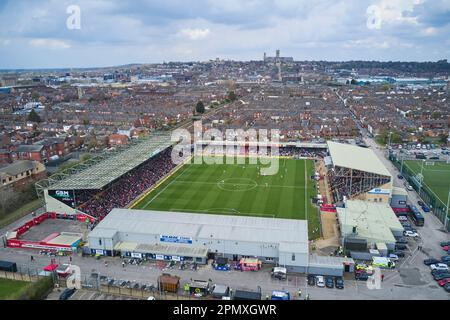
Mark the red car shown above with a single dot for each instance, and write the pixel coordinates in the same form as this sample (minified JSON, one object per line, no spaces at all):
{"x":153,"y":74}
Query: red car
{"x":446,"y":248}
{"x":443,"y":282}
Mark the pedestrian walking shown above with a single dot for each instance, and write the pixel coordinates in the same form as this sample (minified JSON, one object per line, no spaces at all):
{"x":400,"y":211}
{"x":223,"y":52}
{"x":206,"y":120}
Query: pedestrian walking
{"x":299,"y":293}
{"x":123,"y":264}
{"x":32,"y":258}
{"x":382,"y":277}
{"x":106,"y":264}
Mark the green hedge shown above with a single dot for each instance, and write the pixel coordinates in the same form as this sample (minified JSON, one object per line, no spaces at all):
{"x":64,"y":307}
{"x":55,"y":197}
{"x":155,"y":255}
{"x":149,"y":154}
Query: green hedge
{"x":38,"y":290}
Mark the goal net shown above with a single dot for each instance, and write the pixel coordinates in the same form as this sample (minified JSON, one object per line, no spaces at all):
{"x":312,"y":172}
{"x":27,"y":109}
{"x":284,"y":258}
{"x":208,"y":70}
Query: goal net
{"x":429,"y":163}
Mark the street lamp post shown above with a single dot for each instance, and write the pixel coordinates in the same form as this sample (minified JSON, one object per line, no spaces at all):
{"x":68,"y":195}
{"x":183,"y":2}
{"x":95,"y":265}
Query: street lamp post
{"x":446,"y":212}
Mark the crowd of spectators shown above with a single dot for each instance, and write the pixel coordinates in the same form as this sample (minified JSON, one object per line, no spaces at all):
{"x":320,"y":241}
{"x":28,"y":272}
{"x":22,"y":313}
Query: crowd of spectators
{"x":129,"y":186}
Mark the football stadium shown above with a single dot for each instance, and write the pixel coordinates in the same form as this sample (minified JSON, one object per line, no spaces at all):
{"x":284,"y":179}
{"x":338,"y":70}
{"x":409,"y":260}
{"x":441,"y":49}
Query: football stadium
{"x":136,"y":202}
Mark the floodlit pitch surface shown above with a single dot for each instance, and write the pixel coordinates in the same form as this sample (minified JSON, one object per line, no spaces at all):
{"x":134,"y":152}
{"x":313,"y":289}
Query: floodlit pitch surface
{"x":436,"y":177}
{"x":240,"y":189}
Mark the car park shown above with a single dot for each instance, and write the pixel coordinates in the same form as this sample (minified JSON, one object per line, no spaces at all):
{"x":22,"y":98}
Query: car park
{"x":320,"y":282}
{"x":339,"y":283}
{"x":329,"y":282}
{"x":429,"y":262}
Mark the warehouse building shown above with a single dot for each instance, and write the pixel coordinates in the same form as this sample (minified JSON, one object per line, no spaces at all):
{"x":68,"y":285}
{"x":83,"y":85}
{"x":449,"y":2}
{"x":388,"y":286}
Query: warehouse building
{"x":175,"y":236}
{"x":375,"y":223}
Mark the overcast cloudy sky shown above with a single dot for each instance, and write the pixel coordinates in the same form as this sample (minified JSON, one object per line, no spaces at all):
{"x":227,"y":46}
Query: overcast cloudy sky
{"x":42,"y":34}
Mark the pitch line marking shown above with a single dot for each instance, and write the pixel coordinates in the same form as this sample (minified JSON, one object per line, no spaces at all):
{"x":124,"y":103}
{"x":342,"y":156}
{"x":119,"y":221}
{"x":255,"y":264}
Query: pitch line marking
{"x":164,"y":189}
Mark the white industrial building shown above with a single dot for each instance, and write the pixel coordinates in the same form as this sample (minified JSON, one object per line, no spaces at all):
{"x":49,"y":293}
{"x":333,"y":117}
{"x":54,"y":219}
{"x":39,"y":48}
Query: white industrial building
{"x":175,"y":236}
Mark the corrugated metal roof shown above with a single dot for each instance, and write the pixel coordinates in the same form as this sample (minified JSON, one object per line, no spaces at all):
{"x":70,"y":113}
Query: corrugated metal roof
{"x":205,"y":226}
{"x":358,"y":158}
{"x":374,"y":221}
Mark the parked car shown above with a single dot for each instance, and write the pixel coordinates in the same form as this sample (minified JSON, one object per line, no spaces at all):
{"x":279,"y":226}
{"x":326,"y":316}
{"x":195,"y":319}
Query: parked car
{"x":441,"y":276}
{"x":339,"y":283}
{"x":445,"y":258}
{"x":403,"y":218}
{"x":410,"y":234}
{"x":401,"y":246}
{"x":439,"y":266}
{"x":444,"y":282}
{"x":311,"y":280}
{"x":446,"y":248}
{"x":429,"y":262}
{"x":409,"y":228}
{"x":320,"y":282}
{"x":67,"y":293}
{"x":445,"y":243}
{"x":329,"y":282}
{"x":447,"y":287}
{"x":400,"y":176}
{"x":425,"y":208}
{"x":362,"y":276}
{"x":401,"y":241}
{"x":393,"y":257}
{"x":400,"y":254}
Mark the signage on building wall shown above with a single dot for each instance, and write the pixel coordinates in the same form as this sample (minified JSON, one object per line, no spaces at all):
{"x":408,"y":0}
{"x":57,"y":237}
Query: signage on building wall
{"x":136,"y":255}
{"x":175,"y":239}
{"x":379,"y":191}
{"x":65,"y":196}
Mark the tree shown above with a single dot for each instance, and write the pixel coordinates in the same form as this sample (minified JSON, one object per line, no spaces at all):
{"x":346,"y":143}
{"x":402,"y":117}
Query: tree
{"x":200,"y":107}
{"x":353,"y":81}
{"x":33,"y":116}
{"x":231,"y":96}
{"x":435,"y":115}
{"x":35,"y":95}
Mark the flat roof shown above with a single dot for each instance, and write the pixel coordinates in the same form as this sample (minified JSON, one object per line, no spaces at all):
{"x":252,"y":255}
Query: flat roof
{"x":66,"y":238}
{"x":374,"y":221}
{"x":106,"y":171}
{"x":163,"y":249}
{"x":205,"y":226}
{"x":358,"y":158}
{"x":329,"y":261}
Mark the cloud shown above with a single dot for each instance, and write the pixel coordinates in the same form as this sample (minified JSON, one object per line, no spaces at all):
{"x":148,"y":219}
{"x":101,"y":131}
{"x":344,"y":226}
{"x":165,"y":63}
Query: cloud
{"x":50,"y":43}
{"x":194,"y":34}
{"x":121,"y":32}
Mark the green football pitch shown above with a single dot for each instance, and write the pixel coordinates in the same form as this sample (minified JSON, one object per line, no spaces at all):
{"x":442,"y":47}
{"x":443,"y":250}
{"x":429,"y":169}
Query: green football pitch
{"x":240,"y":189}
{"x":436,"y":177}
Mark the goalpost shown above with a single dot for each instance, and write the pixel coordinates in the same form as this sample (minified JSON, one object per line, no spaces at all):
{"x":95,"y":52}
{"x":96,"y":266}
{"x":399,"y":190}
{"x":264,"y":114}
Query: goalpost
{"x":429,"y":163}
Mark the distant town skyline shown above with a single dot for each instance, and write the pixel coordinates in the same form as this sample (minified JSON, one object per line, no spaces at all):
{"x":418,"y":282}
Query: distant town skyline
{"x":79,"y":34}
